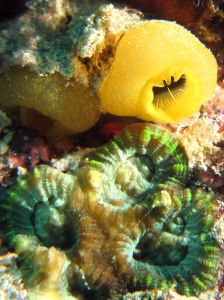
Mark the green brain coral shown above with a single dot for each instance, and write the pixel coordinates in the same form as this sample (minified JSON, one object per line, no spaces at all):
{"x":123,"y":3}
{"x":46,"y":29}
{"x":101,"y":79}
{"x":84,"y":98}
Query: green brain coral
{"x":124,"y":221}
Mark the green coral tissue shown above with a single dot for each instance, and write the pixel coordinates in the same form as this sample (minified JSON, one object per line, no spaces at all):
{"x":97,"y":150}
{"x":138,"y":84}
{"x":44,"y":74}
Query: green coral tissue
{"x":124,"y":221}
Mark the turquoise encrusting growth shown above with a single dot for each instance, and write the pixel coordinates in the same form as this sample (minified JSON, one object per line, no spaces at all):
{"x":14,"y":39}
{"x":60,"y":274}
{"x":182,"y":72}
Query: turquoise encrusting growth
{"x":124,"y":221}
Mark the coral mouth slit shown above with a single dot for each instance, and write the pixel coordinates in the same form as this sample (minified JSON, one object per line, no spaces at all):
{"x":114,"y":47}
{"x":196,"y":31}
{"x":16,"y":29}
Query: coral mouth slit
{"x":158,"y":256}
{"x":163,"y":96}
{"x":54,"y":226}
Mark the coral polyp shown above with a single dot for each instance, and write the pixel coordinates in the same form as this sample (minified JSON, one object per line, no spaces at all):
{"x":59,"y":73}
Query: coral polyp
{"x":175,"y":250}
{"x":123,"y":221}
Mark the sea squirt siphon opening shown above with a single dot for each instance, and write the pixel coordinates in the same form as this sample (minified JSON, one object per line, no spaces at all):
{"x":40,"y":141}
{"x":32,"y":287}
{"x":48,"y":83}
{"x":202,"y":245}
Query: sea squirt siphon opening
{"x":168,"y":95}
{"x":163,"y":96}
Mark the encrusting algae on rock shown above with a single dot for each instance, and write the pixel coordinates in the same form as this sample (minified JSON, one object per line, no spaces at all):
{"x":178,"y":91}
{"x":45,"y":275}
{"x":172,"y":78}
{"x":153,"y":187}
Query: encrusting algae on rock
{"x":5,"y":133}
{"x":124,"y":221}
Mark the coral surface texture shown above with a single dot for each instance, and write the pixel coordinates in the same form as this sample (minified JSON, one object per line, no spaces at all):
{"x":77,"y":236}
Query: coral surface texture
{"x":124,"y":221}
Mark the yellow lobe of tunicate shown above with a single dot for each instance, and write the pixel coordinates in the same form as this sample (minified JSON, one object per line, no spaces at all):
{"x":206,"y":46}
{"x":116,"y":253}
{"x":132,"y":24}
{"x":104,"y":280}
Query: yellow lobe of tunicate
{"x":72,"y":107}
{"x":161,"y":72}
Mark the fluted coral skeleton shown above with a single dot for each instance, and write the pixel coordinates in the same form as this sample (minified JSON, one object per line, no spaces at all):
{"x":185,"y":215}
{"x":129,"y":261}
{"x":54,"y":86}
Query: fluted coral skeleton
{"x":123,"y":222}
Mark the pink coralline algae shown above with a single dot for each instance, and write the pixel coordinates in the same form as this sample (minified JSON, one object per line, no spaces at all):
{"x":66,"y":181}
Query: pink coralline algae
{"x":26,"y":150}
{"x":213,"y":174}
{"x":215,"y":107}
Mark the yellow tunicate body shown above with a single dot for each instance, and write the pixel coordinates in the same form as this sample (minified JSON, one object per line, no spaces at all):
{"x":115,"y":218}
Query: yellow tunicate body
{"x":161,"y":72}
{"x":72,"y":107}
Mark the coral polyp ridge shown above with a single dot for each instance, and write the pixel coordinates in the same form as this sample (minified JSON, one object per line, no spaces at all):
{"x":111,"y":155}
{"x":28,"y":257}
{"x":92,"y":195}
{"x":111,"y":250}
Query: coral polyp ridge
{"x":124,"y":221}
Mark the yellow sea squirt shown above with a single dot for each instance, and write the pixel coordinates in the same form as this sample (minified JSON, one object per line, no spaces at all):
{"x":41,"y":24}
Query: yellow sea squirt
{"x":72,"y":107}
{"x":161,"y":72}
